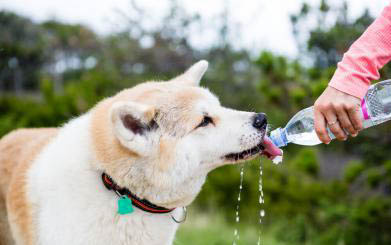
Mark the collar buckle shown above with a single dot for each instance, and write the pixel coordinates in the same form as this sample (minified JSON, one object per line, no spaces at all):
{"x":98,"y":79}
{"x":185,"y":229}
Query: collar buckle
{"x":182,"y":219}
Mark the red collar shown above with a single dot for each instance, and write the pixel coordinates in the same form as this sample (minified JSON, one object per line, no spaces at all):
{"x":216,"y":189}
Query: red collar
{"x":140,"y":203}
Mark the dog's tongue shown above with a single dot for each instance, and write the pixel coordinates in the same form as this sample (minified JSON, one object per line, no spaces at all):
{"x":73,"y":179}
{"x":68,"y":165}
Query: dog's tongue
{"x":271,"y":151}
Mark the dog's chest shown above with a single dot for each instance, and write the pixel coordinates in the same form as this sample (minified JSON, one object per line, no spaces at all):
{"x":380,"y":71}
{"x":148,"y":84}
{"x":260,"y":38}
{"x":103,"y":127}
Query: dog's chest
{"x":85,"y":218}
{"x":106,"y":229}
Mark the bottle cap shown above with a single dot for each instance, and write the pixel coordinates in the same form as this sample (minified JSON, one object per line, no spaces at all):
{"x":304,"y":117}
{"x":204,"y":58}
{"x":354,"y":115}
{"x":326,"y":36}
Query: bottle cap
{"x":278,"y":137}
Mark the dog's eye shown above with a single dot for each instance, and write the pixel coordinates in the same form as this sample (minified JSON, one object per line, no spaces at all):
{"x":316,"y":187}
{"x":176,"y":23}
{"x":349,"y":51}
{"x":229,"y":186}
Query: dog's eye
{"x":205,"y":122}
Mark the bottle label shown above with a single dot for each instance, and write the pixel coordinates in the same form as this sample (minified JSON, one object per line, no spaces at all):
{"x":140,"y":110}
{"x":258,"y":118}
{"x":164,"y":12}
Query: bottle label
{"x":364,"y":110}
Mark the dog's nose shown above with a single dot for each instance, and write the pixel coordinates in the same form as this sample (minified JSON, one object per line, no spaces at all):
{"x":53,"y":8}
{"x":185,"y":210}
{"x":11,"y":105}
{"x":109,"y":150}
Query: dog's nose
{"x":260,"y":121}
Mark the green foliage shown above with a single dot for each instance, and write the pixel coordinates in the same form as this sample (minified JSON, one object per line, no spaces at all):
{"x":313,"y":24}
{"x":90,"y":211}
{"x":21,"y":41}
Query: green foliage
{"x":387,"y":167}
{"x":21,"y":51}
{"x":369,"y":222}
{"x":374,"y":177}
{"x":353,"y":170}
{"x":306,"y":161}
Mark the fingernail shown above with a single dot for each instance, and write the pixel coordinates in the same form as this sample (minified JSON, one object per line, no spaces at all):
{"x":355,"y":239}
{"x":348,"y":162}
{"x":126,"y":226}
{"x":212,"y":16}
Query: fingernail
{"x":345,"y":139}
{"x":354,"y":135}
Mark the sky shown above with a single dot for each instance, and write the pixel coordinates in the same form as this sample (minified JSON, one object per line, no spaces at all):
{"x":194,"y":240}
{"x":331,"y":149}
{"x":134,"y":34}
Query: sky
{"x":262,"y":24}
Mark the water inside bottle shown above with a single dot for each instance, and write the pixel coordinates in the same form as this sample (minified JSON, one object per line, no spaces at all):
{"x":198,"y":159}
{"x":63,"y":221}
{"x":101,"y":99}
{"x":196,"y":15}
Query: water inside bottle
{"x":300,"y":130}
{"x":305,"y":138}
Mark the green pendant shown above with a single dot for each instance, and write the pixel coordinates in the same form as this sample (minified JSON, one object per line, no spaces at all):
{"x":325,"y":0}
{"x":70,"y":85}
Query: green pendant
{"x":125,"y":205}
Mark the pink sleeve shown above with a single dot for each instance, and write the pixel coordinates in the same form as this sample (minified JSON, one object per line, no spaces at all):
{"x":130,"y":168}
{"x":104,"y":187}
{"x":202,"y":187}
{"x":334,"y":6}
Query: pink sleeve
{"x":360,"y":64}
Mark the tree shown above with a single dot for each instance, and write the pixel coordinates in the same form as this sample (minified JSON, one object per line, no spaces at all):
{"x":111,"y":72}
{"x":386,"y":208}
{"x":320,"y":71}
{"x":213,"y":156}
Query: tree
{"x":21,"y":51}
{"x":329,"y":40}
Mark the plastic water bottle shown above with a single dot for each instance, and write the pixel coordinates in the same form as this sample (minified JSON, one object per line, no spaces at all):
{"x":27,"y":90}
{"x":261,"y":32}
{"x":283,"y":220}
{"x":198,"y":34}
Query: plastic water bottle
{"x":375,"y":108}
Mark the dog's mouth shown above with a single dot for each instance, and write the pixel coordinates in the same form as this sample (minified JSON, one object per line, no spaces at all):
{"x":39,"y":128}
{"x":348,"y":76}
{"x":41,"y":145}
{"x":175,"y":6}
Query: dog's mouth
{"x":266,"y":148}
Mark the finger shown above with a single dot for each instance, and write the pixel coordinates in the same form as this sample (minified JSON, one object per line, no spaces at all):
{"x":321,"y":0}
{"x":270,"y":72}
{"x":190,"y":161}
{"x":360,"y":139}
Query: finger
{"x":320,"y":127}
{"x":355,"y":117}
{"x":335,"y":128}
{"x":344,"y":120}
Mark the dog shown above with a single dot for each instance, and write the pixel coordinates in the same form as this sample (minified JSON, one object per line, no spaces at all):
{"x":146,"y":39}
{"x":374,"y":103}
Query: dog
{"x":122,"y":172}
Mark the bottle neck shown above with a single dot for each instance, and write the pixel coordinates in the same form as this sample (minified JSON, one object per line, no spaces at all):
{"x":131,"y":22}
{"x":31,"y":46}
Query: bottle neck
{"x":279,"y":137}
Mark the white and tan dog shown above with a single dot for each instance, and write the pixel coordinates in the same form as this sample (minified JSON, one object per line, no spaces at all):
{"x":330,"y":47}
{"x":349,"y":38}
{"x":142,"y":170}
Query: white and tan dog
{"x":158,"y":140}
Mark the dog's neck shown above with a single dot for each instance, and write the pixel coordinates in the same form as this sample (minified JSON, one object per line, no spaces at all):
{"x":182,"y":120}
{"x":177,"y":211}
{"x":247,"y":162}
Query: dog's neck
{"x":142,"y":204}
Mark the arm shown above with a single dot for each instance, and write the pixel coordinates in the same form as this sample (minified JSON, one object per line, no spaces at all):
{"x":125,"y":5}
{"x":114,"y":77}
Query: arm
{"x":338,"y":106}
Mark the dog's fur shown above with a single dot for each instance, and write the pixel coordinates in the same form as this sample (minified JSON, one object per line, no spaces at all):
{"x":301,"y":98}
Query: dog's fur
{"x":146,"y":138}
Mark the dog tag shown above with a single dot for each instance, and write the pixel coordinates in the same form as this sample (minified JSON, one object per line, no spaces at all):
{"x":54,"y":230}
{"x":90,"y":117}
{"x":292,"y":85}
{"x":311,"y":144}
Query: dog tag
{"x":125,"y":205}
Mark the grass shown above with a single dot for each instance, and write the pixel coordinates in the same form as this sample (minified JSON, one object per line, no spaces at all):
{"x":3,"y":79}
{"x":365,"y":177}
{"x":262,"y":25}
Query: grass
{"x":203,"y":229}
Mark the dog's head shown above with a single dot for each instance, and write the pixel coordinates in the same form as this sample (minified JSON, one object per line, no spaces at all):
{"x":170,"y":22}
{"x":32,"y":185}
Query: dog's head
{"x":160,"y":139}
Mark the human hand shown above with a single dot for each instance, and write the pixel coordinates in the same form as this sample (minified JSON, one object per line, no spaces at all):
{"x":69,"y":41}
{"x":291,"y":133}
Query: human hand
{"x":338,"y":111}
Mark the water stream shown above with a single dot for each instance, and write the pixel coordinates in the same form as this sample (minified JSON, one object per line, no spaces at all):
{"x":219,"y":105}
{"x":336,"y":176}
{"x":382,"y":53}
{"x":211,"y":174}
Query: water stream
{"x":237,"y":219}
{"x":261,"y":202}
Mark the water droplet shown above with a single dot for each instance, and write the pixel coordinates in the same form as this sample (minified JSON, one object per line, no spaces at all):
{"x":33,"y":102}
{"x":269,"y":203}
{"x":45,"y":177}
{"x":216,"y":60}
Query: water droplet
{"x":260,"y":200}
{"x":262,"y":213}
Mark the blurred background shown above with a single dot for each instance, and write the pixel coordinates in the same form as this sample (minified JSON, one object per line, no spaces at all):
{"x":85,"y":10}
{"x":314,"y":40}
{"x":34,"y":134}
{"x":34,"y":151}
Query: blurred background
{"x":58,"y":58}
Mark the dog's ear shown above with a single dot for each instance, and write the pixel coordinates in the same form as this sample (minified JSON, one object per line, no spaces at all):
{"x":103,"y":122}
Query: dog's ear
{"x":194,"y":74}
{"x":132,"y":125}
